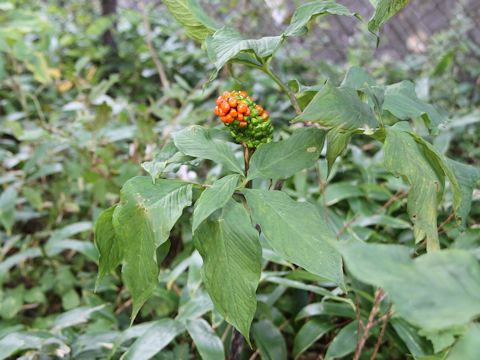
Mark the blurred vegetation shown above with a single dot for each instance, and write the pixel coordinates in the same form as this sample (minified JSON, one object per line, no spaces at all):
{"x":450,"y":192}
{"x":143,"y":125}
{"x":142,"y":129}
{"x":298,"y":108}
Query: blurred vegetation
{"x":78,"y":117}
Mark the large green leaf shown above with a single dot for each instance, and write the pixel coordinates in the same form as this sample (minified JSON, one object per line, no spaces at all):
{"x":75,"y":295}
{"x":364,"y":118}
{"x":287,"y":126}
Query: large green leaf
{"x":307,"y":12}
{"x":107,"y":243}
{"x":205,"y":143}
{"x":196,"y":22}
{"x":402,"y":101}
{"x":468,"y":346}
{"x":405,"y":157}
{"x":214,"y":198}
{"x":269,"y":341}
{"x":227,"y":43}
{"x":142,"y":221}
{"x":435,"y":291}
{"x":207,"y":342}
{"x":297,"y":232}
{"x":8,"y":200}
{"x":338,"y":107}
{"x":154,"y":339}
{"x":282,"y":159}
{"x":384,"y":10}
{"x":308,"y":334}
{"x":231,"y":255}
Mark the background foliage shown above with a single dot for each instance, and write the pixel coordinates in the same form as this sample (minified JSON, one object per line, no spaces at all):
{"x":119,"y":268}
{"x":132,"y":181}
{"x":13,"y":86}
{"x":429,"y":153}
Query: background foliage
{"x":77,"y":118}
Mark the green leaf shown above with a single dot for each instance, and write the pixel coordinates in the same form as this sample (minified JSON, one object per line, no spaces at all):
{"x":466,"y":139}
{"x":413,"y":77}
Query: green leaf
{"x":142,"y":222}
{"x":165,"y":160}
{"x":403,"y":156}
{"x":269,"y":341}
{"x":75,"y":317}
{"x":214,"y":198}
{"x":442,"y":339}
{"x":417,"y":345}
{"x":435,"y":291}
{"x":357,"y":78}
{"x":340,"y":108}
{"x":8,"y":200}
{"x":337,"y":142}
{"x":282,"y":159}
{"x":384,"y":10}
{"x":18,"y":341}
{"x":227,"y":43}
{"x":37,"y":64}
{"x":231,"y":255}
{"x":467,"y":177}
{"x":309,"y":334}
{"x":307,"y":12}
{"x":344,"y":342}
{"x":468,"y":347}
{"x":207,"y":342}
{"x":402,"y":101}
{"x":155,"y":338}
{"x":33,"y":196}
{"x":107,"y":244}
{"x":297,"y":232}
{"x":193,"y":18}
{"x":326,"y":308}
{"x":205,"y":143}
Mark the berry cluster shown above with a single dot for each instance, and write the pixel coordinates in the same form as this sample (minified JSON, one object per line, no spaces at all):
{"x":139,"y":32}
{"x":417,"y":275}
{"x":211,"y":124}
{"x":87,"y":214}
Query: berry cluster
{"x":249,"y":123}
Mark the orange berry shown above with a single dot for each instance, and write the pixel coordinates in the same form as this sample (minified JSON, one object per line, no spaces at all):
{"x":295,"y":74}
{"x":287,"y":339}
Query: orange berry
{"x":233,"y":113}
{"x":219,"y":100}
{"x":242,"y":108}
{"x":243,"y":124}
{"x":265,"y":115}
{"x":240,"y":117}
{"x":228,"y":119}
{"x":216,"y":110}
{"x":223,"y":118}
{"x":248,"y":111}
{"x":225,"y":107}
{"x":243,"y":93}
{"x":232,"y":102}
{"x":259,"y":109}
{"x":226,"y":94}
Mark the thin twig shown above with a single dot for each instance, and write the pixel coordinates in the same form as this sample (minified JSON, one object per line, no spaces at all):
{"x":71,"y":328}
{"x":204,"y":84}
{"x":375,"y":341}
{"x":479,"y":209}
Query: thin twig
{"x":447,"y":220}
{"x":379,"y":295}
{"x":123,"y":306}
{"x":149,"y":41}
{"x":386,"y":317}
{"x":399,"y":194}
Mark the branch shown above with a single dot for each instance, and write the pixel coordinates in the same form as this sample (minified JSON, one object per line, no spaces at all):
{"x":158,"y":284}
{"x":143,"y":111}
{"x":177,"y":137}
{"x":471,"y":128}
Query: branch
{"x":386,"y":317}
{"x":379,"y":295}
{"x":148,"y":39}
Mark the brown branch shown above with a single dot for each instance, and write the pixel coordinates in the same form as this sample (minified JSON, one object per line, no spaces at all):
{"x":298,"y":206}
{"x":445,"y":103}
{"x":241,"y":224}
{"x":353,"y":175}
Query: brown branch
{"x":447,"y":220}
{"x":149,"y":41}
{"x":379,"y":295}
{"x":399,"y":194}
{"x":386,"y":318}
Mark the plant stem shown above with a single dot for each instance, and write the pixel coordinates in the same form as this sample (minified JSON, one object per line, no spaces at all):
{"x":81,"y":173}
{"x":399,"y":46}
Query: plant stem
{"x":149,"y":41}
{"x":382,"y":333}
{"x":379,"y":295}
{"x":284,"y":88}
{"x":236,"y":346}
